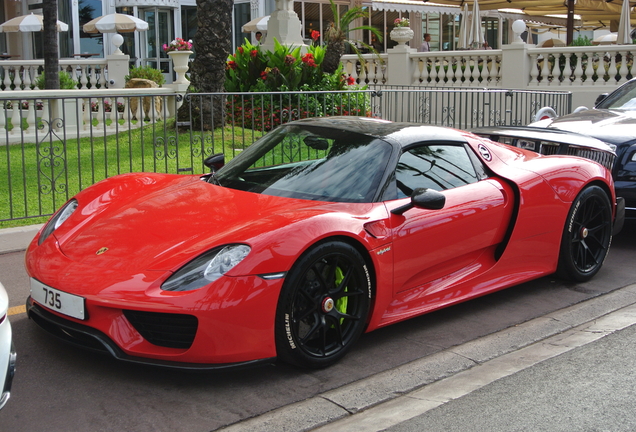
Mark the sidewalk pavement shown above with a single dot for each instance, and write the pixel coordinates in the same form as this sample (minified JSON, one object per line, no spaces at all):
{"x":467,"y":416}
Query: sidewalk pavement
{"x":405,"y":398}
{"x":18,"y":238}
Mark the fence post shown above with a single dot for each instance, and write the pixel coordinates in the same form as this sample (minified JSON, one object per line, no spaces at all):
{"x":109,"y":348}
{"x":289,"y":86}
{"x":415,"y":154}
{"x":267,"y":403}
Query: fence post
{"x":117,"y":70}
{"x":400,"y":66}
{"x":172,"y":102}
{"x":515,"y":66}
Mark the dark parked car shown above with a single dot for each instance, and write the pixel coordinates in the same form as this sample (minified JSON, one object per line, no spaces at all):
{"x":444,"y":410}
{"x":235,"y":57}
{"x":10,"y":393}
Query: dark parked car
{"x":612,"y":120}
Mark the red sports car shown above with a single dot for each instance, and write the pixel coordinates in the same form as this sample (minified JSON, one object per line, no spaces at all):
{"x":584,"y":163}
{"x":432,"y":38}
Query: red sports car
{"x":322,"y":230}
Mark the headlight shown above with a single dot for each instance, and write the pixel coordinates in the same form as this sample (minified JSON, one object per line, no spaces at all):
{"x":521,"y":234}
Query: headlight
{"x":206,"y":268}
{"x":58,"y":219}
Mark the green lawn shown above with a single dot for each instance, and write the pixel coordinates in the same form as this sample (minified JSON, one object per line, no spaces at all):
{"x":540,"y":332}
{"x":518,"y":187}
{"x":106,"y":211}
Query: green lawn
{"x":36,"y":179}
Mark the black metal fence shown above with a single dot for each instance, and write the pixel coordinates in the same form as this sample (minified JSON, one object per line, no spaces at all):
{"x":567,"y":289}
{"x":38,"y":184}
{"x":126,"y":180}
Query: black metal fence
{"x":50,"y":149}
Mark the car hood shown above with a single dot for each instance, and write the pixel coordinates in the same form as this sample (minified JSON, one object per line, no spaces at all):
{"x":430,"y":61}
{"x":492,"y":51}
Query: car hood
{"x":172,"y":221}
{"x":611,"y":126}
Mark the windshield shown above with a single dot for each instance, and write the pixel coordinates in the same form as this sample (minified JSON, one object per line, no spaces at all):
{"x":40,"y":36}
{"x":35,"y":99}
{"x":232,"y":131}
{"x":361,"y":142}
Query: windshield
{"x":623,"y":98}
{"x":305,"y":162}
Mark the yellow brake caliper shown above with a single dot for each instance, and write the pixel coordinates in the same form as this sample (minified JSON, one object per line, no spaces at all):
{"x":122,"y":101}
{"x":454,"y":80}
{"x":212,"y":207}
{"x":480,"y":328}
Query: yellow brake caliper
{"x":341,"y":303}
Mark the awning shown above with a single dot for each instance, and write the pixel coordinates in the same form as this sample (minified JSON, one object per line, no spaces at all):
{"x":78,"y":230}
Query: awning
{"x":418,"y":6}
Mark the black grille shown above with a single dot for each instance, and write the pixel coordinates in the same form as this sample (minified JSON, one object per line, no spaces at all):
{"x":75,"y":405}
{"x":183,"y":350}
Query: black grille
{"x":164,"y":329}
{"x":604,"y":158}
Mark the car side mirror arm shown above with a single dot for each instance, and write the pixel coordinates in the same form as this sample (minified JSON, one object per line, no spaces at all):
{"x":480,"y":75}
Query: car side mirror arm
{"x":424,"y":198}
{"x":215,"y":162}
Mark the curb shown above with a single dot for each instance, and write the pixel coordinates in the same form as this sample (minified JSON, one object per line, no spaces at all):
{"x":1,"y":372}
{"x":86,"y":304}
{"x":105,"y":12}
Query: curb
{"x":343,"y":402}
{"x":17,"y":239}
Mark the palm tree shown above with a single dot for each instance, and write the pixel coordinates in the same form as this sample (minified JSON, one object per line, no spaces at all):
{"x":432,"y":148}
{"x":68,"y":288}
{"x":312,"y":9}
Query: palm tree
{"x":212,"y":43}
{"x":50,"y":47}
{"x":337,"y":34}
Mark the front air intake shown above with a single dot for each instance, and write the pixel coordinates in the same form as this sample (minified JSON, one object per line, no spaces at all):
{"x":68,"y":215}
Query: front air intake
{"x":164,"y":329}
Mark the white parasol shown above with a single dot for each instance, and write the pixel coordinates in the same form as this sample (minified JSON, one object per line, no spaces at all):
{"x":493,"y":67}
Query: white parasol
{"x":606,"y":39}
{"x":257,"y":24}
{"x":115,"y":23}
{"x":463,"y":29}
{"x":475,"y":36}
{"x":29,"y":23}
{"x":624,"y":25}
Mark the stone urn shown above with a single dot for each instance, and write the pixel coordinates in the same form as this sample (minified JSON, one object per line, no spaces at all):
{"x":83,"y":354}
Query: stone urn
{"x":401,"y":35}
{"x":180,"y":65}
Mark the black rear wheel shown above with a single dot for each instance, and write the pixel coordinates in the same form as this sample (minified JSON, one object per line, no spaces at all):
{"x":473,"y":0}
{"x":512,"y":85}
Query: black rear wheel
{"x":323,"y":306}
{"x":587,"y":235}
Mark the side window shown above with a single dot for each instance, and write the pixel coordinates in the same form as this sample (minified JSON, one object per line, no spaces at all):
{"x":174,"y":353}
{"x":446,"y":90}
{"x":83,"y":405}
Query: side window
{"x":439,"y":167}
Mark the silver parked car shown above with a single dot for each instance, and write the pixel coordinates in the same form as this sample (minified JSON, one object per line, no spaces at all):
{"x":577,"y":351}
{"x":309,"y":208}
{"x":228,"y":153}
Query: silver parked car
{"x":7,"y":352}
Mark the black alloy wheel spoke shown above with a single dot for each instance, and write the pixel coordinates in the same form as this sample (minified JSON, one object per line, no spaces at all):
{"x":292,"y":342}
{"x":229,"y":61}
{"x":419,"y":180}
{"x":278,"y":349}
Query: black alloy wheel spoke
{"x":311,"y":334}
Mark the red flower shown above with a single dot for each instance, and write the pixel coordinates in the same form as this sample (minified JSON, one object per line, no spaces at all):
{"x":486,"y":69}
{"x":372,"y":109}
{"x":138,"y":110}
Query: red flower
{"x":232,"y":64}
{"x":350,"y":80}
{"x":263,"y":75}
{"x":241,"y":50}
{"x":254,"y":53}
{"x":290,"y":60}
{"x":315,"y":35}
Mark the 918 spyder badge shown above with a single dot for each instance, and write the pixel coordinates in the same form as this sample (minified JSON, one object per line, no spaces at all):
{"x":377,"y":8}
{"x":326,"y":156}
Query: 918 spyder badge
{"x":383,"y":251}
{"x":101,"y":251}
{"x":485,"y":153}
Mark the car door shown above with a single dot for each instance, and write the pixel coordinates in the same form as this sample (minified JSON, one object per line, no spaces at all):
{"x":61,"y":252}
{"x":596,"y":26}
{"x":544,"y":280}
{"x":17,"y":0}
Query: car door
{"x":457,"y":240}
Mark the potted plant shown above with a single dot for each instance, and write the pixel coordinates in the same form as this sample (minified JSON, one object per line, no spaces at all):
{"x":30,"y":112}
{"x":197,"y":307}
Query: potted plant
{"x":179,"y":51}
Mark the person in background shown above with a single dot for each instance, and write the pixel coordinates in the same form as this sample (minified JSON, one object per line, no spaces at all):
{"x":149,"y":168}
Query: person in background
{"x":486,"y":46}
{"x":258,"y":35}
{"x":426,"y":45}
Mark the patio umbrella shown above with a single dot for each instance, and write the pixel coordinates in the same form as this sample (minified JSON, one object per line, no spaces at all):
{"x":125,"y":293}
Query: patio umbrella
{"x":606,"y":39}
{"x":554,"y":42}
{"x":257,"y":24}
{"x":463,"y":29}
{"x":115,"y":23}
{"x":28,"y":23}
{"x":624,"y":25}
{"x":475,"y":37}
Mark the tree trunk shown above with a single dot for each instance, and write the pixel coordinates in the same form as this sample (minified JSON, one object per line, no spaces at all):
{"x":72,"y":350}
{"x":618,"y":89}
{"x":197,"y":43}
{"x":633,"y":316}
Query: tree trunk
{"x":50,"y":47}
{"x":212,"y":44}
{"x":333,"y":54}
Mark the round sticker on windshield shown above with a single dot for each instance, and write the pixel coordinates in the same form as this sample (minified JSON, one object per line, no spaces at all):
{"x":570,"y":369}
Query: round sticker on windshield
{"x":485,"y":153}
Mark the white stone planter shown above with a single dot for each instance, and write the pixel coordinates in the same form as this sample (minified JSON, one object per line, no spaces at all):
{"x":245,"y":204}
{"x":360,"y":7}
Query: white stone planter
{"x":401,"y":35}
{"x":180,"y":65}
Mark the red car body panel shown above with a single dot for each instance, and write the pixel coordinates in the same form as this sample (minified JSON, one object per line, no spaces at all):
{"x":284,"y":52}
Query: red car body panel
{"x":490,"y":235}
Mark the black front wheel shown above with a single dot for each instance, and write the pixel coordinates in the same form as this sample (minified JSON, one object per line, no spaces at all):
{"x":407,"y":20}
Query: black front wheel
{"x":587,"y":235}
{"x":323,"y":306}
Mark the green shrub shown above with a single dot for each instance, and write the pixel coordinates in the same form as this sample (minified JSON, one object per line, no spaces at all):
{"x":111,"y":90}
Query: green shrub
{"x":147,"y":72}
{"x":582,"y":41}
{"x":284,"y":69}
{"x":66,"y":81}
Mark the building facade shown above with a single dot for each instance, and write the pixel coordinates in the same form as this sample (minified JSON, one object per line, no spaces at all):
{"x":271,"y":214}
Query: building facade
{"x":169,"y":19}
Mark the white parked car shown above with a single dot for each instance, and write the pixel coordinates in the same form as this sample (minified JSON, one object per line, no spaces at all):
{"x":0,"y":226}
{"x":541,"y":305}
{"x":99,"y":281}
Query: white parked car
{"x":7,"y":353}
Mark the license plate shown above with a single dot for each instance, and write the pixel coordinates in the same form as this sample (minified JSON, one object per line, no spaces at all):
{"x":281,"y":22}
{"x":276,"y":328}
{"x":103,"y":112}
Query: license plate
{"x":59,"y":301}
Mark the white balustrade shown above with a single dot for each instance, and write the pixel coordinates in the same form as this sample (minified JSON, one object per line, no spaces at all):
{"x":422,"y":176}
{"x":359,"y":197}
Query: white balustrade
{"x":79,"y":113}
{"x":23,"y":74}
{"x":603,"y":65}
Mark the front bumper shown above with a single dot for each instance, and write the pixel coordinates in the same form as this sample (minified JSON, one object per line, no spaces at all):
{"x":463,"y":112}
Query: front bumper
{"x":88,"y":338}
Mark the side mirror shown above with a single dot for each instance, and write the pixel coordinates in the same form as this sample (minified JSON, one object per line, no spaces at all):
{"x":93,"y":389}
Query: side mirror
{"x":215,"y":162}
{"x":423,"y":198}
{"x":600,"y":98}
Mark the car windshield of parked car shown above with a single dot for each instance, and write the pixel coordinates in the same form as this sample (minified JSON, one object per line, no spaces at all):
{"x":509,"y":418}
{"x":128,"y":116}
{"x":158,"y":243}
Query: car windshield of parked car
{"x":624,"y":98}
{"x":309,"y":162}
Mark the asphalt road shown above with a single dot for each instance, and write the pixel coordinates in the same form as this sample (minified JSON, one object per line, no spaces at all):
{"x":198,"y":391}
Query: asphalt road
{"x":60,"y":388}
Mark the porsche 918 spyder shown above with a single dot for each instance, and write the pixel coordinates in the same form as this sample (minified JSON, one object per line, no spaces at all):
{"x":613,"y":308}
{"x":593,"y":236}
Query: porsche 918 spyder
{"x":320,"y":231}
